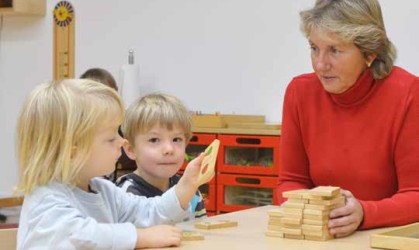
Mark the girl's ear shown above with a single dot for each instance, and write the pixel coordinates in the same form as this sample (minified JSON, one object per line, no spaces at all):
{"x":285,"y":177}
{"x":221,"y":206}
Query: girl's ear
{"x":73,"y":151}
{"x":129,"y":150}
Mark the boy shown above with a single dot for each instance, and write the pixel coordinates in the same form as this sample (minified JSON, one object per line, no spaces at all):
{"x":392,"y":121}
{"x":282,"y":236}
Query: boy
{"x":158,"y":128}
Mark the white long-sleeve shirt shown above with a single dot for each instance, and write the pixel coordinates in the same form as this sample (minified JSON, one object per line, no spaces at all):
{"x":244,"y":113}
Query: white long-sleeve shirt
{"x":57,"y":216}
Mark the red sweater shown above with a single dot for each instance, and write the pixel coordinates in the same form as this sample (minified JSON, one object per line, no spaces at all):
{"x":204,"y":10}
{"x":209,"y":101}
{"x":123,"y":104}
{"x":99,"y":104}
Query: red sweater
{"x":365,"y":140}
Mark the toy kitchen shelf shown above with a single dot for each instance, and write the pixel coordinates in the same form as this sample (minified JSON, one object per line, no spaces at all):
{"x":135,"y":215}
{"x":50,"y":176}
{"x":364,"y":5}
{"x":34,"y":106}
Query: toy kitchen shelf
{"x":247,"y":163}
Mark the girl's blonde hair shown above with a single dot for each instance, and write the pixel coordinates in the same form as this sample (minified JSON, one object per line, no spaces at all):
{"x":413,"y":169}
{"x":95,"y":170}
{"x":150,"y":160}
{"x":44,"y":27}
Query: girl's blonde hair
{"x":56,"y":119}
{"x":357,"y":21}
{"x":156,"y":109}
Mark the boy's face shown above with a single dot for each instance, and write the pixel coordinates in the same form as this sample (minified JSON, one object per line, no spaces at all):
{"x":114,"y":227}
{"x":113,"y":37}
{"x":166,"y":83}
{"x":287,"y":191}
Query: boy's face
{"x":106,"y":149}
{"x":159,"y":152}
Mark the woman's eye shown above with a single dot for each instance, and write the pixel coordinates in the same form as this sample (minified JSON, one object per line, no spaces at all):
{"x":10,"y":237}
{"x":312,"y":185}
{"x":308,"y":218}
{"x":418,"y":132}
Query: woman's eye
{"x":334,"y":51}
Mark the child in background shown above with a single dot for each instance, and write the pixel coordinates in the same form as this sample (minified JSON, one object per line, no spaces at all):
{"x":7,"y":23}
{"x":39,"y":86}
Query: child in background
{"x":100,"y":75}
{"x":158,"y":128}
{"x":67,"y":136}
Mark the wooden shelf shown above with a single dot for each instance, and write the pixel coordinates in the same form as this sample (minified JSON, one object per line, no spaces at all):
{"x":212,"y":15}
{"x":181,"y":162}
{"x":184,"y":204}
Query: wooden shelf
{"x":23,"y":7}
{"x":239,"y":131}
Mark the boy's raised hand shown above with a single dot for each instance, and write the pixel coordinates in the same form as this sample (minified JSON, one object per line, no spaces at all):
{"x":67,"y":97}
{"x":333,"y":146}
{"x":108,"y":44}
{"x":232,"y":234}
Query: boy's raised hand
{"x":158,"y":236}
{"x":189,"y":182}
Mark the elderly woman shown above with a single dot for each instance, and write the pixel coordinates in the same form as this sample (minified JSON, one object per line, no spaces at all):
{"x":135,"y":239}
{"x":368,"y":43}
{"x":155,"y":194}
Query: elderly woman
{"x":354,"y":122}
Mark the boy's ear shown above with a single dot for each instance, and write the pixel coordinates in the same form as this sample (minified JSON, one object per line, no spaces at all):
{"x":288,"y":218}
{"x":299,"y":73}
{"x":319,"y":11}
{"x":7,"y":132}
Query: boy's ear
{"x":129,"y":150}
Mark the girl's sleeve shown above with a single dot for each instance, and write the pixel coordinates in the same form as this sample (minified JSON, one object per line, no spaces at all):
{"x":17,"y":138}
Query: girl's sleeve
{"x":54,"y":222}
{"x":145,"y":212}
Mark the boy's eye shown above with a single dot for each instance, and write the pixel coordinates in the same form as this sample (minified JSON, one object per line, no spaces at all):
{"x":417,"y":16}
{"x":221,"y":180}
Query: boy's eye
{"x":178,"y":139}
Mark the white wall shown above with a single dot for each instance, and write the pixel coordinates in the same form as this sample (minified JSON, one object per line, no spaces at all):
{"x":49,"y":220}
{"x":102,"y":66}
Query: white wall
{"x":231,"y":56}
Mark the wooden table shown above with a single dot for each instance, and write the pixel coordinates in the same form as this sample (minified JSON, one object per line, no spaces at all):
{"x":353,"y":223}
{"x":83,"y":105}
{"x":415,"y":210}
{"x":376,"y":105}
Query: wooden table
{"x":250,"y":234}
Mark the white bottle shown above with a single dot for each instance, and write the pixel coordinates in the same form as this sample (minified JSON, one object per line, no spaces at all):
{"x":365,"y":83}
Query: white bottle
{"x":129,"y":81}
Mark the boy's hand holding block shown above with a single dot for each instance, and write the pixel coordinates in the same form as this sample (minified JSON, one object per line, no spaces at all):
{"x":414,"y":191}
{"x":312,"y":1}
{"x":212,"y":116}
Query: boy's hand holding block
{"x":215,"y":224}
{"x":208,"y":164}
{"x":191,"y":235}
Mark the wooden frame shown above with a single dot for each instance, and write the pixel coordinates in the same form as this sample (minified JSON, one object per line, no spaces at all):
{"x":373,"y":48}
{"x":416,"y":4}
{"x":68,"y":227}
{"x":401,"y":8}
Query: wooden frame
{"x":401,"y":238}
{"x":11,"y":201}
{"x":23,"y":7}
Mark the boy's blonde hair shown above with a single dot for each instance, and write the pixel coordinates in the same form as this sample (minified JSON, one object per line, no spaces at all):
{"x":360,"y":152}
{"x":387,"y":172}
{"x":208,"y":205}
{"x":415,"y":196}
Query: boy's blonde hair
{"x":57,"y":120}
{"x":156,"y":109}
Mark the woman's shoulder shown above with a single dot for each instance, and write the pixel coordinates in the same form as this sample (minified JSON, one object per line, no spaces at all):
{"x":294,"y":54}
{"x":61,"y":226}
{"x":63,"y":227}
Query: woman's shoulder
{"x":400,"y":81}
{"x":399,"y":73}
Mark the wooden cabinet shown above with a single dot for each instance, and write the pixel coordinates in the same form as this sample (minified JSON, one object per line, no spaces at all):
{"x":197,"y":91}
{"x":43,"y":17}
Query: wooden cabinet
{"x":22,"y":7}
{"x":246,"y":168}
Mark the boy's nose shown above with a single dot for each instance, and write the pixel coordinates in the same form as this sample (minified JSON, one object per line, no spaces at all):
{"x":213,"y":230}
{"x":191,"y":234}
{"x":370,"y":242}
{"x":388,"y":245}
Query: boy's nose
{"x":168,"y":149}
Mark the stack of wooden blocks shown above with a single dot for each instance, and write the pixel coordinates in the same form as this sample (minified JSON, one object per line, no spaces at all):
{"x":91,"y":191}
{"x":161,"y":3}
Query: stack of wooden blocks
{"x":305,"y":214}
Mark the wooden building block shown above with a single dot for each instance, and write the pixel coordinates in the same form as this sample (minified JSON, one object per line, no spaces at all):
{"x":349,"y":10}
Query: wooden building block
{"x":277,"y":212}
{"x":318,"y":238}
{"x":293,"y":215}
{"x":275,"y":228}
{"x":316,"y":217}
{"x":215,"y":224}
{"x":294,"y":205}
{"x":305,"y":201}
{"x":325,"y":191}
{"x":293,"y":236}
{"x":307,"y":227}
{"x":288,"y":210}
{"x":291,"y":221}
{"x":275,"y":221}
{"x":400,"y":238}
{"x":274,"y":234}
{"x":293,"y":231}
{"x":295,"y":194}
{"x":317,"y":212}
{"x":315,"y":222}
{"x":191,"y":235}
{"x":338,"y":200}
{"x":322,"y":207}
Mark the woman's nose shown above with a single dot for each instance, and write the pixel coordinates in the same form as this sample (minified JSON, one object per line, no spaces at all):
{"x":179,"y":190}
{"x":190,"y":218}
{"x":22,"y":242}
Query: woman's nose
{"x":321,"y":62}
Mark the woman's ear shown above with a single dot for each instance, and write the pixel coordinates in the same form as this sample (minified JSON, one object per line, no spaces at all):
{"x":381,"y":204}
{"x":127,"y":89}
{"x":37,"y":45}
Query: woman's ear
{"x":129,"y":150}
{"x":370,"y":59}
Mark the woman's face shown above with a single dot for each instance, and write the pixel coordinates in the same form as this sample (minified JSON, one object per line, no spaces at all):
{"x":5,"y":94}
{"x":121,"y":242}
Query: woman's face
{"x":337,"y":63}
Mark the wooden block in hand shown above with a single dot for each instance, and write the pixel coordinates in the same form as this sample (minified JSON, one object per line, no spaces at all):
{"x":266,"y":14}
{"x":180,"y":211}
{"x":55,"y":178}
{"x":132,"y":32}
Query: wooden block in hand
{"x":191,"y":235}
{"x":215,"y":224}
{"x":208,"y":164}
{"x":325,"y":191}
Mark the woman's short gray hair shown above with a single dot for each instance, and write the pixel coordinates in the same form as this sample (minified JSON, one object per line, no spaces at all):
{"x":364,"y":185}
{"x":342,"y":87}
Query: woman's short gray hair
{"x":357,"y":21}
